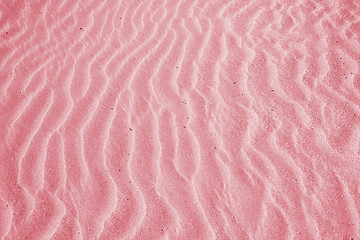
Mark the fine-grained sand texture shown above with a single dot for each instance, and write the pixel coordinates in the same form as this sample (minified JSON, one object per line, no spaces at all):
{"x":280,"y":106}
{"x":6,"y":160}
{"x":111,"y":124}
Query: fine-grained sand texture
{"x":178,"y":120}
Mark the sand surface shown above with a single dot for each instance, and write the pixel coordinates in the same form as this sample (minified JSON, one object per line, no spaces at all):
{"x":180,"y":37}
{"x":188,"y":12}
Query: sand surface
{"x":179,"y":119}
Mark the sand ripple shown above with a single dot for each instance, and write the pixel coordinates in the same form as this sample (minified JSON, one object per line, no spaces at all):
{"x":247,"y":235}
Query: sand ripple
{"x":180,"y":119}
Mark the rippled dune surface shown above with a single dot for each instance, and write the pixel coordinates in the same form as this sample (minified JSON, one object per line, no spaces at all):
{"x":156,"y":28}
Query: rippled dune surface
{"x":188,"y":119}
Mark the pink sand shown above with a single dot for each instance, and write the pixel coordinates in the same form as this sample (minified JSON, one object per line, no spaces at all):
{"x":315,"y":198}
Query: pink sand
{"x":180,"y":119}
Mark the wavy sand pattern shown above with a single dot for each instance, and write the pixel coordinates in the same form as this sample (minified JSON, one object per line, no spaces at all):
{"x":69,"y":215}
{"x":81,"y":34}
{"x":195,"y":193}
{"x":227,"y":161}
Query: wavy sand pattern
{"x":227,"y":119}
